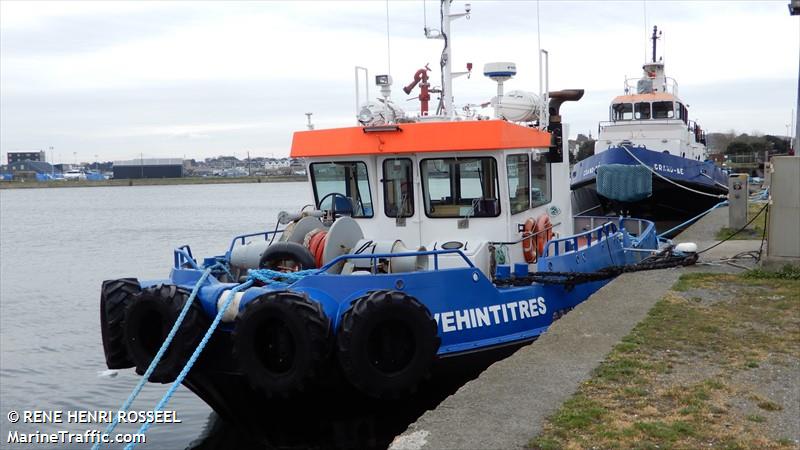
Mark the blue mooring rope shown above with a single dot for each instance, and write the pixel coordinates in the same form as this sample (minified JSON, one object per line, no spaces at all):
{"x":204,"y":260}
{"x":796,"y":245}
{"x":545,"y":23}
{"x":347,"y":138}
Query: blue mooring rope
{"x":273,"y":277}
{"x":693,"y":219}
{"x":161,"y":351}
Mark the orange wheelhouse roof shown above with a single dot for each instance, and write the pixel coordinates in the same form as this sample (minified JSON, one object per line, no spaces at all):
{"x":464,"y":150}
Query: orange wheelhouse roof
{"x":652,"y":97}
{"x":423,"y":137}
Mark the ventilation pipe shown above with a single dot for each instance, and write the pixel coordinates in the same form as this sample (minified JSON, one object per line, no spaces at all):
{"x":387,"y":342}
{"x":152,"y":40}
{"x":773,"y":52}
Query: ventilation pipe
{"x":557,"y":98}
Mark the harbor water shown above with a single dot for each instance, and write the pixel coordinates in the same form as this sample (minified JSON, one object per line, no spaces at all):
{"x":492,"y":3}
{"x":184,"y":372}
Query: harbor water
{"x":58,"y":245}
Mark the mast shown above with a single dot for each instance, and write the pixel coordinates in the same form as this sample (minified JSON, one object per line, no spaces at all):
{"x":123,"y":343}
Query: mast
{"x":447,"y":77}
{"x":444,"y":34}
{"x":654,"y":38}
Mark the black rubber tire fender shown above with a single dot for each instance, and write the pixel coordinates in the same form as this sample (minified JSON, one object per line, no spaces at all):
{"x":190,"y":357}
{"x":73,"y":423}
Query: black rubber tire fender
{"x":281,"y":340}
{"x":386,"y":343}
{"x":115,"y":295}
{"x":283,"y":251}
{"x":148,"y":320}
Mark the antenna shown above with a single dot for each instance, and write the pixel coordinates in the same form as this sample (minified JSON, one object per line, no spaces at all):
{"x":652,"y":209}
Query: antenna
{"x":644,"y":5}
{"x":388,"y":43}
{"x":544,"y":115}
{"x":425,"y":17}
{"x":538,"y":34}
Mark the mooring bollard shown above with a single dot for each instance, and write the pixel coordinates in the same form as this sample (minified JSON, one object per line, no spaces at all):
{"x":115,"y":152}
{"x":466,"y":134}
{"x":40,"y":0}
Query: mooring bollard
{"x":738,"y":193}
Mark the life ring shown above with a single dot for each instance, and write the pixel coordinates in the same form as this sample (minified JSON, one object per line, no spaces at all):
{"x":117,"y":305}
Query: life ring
{"x":280,"y":341}
{"x":545,"y":229}
{"x":148,"y":320}
{"x":528,"y":248}
{"x":286,"y":257}
{"x":386,"y":343}
{"x":115,"y":295}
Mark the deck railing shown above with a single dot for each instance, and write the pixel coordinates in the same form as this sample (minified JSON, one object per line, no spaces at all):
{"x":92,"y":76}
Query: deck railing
{"x":241,"y":239}
{"x":373,"y":257}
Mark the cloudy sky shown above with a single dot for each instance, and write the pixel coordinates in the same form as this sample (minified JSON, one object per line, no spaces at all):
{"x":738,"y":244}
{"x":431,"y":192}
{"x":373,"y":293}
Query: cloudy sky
{"x":169,"y":79}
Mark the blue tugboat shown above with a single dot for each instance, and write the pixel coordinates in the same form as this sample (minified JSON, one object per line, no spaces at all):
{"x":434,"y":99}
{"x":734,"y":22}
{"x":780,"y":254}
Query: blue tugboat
{"x":433,"y":241}
{"x":650,"y":160}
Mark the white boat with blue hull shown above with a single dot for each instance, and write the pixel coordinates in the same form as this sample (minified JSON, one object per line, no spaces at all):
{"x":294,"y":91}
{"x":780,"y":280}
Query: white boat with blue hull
{"x":650,"y":160}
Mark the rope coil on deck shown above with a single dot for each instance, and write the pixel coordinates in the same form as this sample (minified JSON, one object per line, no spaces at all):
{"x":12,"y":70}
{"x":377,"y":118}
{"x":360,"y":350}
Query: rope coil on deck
{"x":277,"y":278}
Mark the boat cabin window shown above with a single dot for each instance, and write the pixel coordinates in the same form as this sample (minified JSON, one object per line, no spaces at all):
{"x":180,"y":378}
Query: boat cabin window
{"x":541,"y":192}
{"x":518,"y":182}
{"x":458,"y":187}
{"x":642,"y":111}
{"x":682,"y":112}
{"x":622,"y":111}
{"x":663,"y":110}
{"x":345,"y":183}
{"x":398,"y":187}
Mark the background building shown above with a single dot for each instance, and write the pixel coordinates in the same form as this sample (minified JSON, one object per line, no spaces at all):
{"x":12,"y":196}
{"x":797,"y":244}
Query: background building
{"x":25,"y":156}
{"x":31,"y":170}
{"x":149,"y":168}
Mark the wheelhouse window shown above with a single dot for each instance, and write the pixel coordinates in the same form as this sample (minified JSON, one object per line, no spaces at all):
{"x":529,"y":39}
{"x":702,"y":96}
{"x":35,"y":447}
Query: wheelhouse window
{"x":663,"y":110}
{"x":682,"y":113}
{"x":541,"y":192}
{"x":622,"y":111}
{"x":642,"y":111}
{"x":519,"y":190}
{"x":344,"y":183}
{"x":398,"y":187}
{"x":459,"y":187}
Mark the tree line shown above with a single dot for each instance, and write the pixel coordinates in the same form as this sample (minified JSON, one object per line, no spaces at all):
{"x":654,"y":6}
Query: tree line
{"x":746,"y":144}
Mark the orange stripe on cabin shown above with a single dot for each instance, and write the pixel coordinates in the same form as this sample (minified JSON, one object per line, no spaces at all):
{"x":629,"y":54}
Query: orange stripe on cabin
{"x":651,"y":97}
{"x":424,"y":137}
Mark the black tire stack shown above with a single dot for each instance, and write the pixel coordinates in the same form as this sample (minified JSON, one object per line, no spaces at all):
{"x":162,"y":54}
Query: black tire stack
{"x":115,"y":295}
{"x":281,"y":341}
{"x":386,"y":343}
{"x":149,"y":317}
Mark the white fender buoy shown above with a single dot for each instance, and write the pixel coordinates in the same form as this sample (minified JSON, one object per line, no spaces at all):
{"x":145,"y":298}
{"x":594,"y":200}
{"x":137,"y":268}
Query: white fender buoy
{"x":686,"y":247}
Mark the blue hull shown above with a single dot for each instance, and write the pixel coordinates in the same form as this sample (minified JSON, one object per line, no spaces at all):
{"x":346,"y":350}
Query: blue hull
{"x":666,"y":199}
{"x":470,"y":310}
